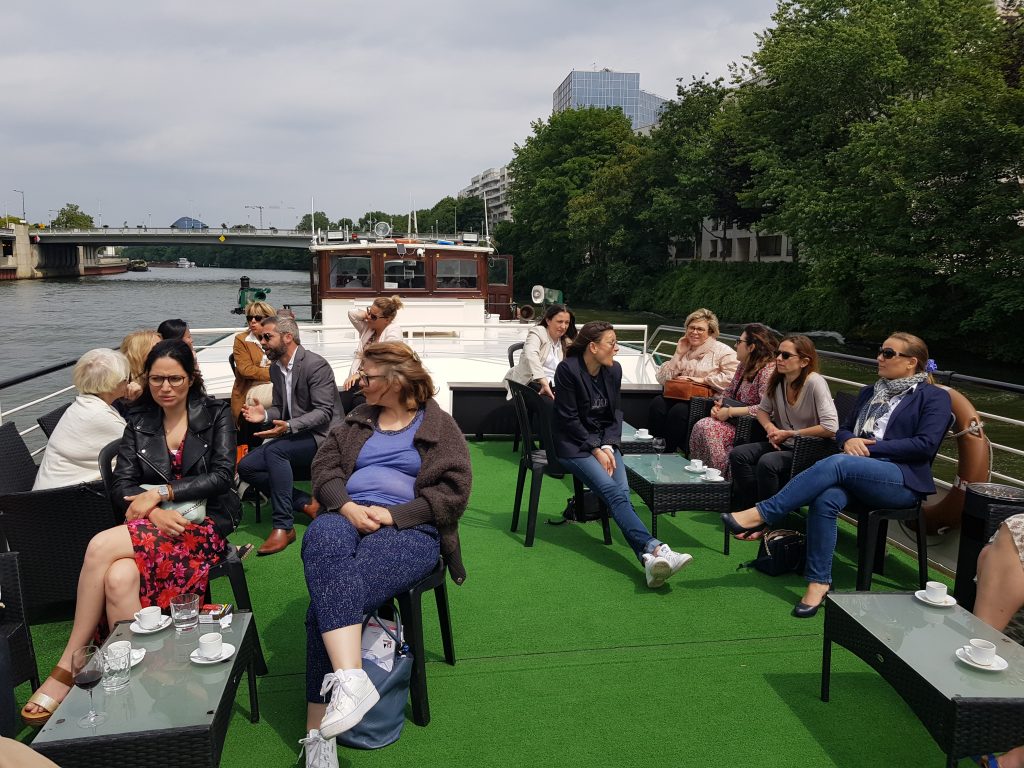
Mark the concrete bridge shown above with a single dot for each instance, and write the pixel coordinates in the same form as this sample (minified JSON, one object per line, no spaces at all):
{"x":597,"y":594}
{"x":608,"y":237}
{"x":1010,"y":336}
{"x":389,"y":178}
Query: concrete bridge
{"x":34,"y":253}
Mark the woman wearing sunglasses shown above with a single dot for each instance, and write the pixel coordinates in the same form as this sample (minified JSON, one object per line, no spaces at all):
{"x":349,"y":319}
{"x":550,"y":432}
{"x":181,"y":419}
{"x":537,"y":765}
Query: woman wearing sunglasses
{"x":374,"y":324}
{"x":181,"y":444}
{"x":396,"y":476}
{"x":251,"y":366}
{"x":796,"y":402}
{"x":887,"y":445}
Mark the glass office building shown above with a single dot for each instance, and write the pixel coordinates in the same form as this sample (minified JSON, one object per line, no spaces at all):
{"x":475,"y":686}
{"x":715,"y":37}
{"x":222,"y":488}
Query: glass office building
{"x":605,"y":89}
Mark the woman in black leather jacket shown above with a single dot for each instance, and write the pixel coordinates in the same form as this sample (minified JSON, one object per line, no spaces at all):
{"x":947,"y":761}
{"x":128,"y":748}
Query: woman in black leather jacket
{"x":183,"y":444}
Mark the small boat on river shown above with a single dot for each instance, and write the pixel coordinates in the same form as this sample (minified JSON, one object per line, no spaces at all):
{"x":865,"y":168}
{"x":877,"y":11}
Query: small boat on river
{"x":138,"y":265}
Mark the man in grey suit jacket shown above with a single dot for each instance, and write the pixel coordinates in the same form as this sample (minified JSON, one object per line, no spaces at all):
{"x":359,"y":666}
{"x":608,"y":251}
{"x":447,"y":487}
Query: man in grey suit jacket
{"x":306,"y":405}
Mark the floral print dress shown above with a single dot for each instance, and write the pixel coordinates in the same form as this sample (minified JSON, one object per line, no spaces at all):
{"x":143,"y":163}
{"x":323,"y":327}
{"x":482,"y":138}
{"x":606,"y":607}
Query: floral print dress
{"x":174,"y":565}
{"x":711,"y":439}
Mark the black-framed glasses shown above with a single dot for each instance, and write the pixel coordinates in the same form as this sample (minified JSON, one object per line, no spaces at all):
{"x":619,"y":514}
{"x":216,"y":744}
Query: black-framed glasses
{"x":372,"y":316}
{"x":159,"y":381}
{"x":364,"y":378}
{"x":889,"y":353}
{"x":787,"y":355}
{"x":741,"y":340}
{"x":250,"y":318}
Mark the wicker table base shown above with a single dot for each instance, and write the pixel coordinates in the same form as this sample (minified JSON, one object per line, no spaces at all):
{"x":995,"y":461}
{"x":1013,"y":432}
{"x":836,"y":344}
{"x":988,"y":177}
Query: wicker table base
{"x":671,"y":489}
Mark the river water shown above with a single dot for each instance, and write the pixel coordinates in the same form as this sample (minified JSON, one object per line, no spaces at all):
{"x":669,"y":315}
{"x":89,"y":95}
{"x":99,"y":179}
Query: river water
{"x":57,"y":320}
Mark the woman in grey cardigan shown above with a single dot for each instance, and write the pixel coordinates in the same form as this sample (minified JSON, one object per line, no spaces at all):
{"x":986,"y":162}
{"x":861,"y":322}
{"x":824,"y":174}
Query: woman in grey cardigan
{"x":397,"y":475}
{"x":797,"y":402}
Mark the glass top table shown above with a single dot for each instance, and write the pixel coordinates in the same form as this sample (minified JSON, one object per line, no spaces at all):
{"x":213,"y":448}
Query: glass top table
{"x":173,"y":710}
{"x":666,"y":486}
{"x":630,"y":443}
{"x":912,"y":646}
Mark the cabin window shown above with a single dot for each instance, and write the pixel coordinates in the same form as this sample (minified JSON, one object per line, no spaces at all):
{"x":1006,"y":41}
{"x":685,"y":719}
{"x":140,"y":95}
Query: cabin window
{"x":456,"y":273}
{"x":497,"y":271}
{"x":404,"y":273}
{"x":351,"y":272}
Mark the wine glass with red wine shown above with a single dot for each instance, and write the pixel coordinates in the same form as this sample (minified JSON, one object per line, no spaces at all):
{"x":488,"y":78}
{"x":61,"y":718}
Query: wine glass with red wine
{"x":87,"y":667}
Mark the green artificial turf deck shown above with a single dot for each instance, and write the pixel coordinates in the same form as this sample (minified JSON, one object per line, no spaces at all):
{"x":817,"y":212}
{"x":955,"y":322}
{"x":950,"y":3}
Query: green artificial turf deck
{"x":566,"y":658}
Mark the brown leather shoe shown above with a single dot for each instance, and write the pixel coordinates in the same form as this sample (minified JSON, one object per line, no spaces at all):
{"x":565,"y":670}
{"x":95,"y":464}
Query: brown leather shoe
{"x":278,"y":539}
{"x":312,"y":509}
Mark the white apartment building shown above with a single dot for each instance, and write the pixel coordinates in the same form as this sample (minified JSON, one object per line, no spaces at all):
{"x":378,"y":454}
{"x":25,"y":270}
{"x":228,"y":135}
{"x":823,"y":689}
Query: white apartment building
{"x":732,"y":244}
{"x":492,"y":186}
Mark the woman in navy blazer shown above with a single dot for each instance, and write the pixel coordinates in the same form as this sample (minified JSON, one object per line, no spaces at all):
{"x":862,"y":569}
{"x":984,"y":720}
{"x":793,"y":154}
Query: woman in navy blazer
{"x":887,"y":442}
{"x":588,"y":429}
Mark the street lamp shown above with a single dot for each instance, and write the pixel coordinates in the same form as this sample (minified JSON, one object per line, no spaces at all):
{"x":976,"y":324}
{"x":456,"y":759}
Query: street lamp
{"x":52,"y":211}
{"x":22,"y":193}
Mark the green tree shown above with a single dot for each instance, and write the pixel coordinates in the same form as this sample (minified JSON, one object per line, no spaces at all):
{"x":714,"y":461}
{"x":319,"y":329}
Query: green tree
{"x":72,"y":217}
{"x":319,"y":222}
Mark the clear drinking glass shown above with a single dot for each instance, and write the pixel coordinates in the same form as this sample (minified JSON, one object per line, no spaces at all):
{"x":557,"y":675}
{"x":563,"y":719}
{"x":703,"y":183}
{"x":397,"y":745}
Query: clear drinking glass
{"x":87,"y":667}
{"x":659,"y":447}
{"x":185,"y":612}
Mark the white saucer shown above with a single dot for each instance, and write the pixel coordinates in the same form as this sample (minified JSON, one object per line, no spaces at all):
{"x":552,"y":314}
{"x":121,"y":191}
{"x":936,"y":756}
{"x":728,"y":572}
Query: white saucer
{"x":691,"y":468}
{"x":642,"y":437}
{"x":949,"y":602}
{"x":707,"y":479}
{"x":227,"y":651}
{"x":165,"y":622}
{"x":138,"y":654}
{"x":998,"y":664}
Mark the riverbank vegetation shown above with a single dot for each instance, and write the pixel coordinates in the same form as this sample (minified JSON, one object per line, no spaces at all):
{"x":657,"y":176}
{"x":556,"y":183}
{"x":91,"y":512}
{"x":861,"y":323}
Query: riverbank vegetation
{"x":886,"y":139}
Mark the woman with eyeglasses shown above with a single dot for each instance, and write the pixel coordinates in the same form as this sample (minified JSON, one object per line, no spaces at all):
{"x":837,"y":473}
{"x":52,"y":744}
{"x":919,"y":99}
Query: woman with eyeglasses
{"x":395,"y":478}
{"x":181,"y":443}
{"x":887,"y":446}
{"x":544,"y":349}
{"x":588,"y":430}
{"x":700,"y":359}
{"x":90,"y":422}
{"x":374,"y":324}
{"x":712,"y":437}
{"x":796,"y":402}
{"x":252,"y":369}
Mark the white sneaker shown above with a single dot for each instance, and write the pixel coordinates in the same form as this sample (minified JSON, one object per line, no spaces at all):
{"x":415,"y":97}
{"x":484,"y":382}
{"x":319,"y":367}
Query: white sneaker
{"x":320,"y":752}
{"x":352,"y":696}
{"x":677,"y":560}
{"x":657,"y":570}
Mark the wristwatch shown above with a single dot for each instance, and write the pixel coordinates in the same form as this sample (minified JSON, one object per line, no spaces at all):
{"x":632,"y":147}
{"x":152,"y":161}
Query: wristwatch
{"x":164,"y":491}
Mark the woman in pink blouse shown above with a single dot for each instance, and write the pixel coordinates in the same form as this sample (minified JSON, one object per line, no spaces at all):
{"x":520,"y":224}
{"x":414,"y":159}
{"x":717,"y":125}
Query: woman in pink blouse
{"x":700,"y":358}
{"x":712,"y":437}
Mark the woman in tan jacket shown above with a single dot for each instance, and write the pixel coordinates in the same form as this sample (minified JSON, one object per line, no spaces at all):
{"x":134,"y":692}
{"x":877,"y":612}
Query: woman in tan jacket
{"x":250,"y":364}
{"x":700,"y":358}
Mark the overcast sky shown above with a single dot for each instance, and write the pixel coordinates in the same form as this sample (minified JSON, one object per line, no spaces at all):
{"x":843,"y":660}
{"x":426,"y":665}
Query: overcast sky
{"x":156,"y":109}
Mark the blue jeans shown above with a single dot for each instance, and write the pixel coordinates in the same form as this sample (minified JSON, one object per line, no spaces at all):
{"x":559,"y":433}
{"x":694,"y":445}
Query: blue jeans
{"x":827,"y":488}
{"x":269,"y":469}
{"x":614,"y":489}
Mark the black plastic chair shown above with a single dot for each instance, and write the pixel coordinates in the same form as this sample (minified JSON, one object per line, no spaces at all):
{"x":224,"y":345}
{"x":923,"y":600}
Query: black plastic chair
{"x":411,"y":610}
{"x":517,"y":347}
{"x":48,"y":421}
{"x":540,"y":461}
{"x":19,"y":468}
{"x":14,"y":623}
{"x":51,"y":529}
{"x":230,"y":566}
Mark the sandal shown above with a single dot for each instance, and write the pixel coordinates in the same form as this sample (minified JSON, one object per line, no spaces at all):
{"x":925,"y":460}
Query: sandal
{"x":45,"y":701}
{"x":752,"y":536}
{"x":986,"y":761}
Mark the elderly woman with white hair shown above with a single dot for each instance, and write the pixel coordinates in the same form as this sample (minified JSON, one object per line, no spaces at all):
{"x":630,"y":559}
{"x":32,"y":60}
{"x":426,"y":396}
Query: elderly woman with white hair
{"x":90,"y":422}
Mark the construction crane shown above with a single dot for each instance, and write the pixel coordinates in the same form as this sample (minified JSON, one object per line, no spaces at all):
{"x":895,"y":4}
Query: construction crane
{"x":270,"y":208}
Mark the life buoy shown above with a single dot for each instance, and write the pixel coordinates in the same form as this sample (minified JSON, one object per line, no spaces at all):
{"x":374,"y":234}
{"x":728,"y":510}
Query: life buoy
{"x":973,"y":457}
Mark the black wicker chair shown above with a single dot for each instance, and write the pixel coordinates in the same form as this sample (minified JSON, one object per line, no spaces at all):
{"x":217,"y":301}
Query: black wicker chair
{"x":411,"y":611}
{"x":14,"y":624}
{"x":48,"y":421}
{"x":540,"y":461}
{"x":19,"y":468}
{"x":517,"y":347}
{"x":51,"y":529}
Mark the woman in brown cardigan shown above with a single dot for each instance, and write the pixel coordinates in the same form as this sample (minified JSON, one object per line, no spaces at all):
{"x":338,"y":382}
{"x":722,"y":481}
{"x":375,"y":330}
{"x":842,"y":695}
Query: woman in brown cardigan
{"x":397,"y":475}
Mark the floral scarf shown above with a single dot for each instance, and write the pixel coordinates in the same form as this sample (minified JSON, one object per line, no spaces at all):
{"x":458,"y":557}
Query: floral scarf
{"x":879,"y":404}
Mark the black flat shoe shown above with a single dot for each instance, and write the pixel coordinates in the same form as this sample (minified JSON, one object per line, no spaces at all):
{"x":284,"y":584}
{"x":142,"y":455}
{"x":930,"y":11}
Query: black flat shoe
{"x":805,"y":611}
{"x":735,"y":528}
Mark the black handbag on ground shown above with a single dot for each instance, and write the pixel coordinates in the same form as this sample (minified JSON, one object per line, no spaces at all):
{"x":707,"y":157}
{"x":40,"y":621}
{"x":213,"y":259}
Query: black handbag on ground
{"x":781,"y":551}
{"x":382,"y":725}
{"x":573,"y":513}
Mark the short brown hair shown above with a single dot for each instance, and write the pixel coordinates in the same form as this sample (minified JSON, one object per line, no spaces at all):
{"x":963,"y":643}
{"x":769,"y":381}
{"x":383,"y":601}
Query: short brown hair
{"x":707,"y":316}
{"x":401,"y":364}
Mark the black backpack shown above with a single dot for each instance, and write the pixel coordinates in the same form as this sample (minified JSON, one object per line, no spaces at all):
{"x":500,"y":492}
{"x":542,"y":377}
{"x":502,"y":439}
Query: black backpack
{"x":781,"y":551}
{"x":591,"y":510}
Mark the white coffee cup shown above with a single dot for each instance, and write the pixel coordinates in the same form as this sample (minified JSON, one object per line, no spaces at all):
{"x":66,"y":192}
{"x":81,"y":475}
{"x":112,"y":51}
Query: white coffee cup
{"x":211,"y":645}
{"x":712,"y":474}
{"x":981,"y":651}
{"x":643,"y":433}
{"x":935,"y":591}
{"x":149,"y":618}
{"x":696,"y":463}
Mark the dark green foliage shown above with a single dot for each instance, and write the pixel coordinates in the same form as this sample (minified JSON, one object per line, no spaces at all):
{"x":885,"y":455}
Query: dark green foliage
{"x":232,"y":256}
